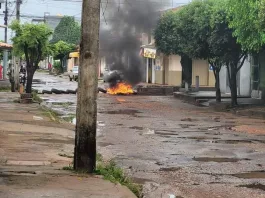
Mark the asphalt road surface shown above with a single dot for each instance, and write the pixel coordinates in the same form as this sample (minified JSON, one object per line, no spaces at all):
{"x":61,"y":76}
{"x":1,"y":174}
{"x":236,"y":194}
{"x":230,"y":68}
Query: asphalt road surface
{"x":172,"y":147}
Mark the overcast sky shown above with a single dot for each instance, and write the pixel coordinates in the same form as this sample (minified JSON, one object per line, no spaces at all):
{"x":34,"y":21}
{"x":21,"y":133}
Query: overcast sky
{"x":37,"y":8}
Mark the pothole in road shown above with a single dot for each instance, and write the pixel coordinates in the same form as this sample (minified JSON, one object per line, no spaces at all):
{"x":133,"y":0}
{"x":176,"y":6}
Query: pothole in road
{"x":137,"y":128}
{"x":254,"y":186}
{"x":185,"y":126}
{"x":233,"y":141}
{"x":216,"y":159}
{"x":199,"y":138}
{"x":188,"y":120}
{"x":122,"y":111}
{"x":162,"y":133}
{"x":251,"y":175}
{"x":170,"y":169}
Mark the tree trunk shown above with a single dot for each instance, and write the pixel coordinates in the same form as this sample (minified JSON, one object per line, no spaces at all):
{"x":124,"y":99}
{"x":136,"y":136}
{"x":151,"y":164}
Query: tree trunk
{"x":30,"y":74}
{"x":232,"y":73}
{"x":186,"y":64}
{"x":13,"y":86}
{"x":61,"y":68}
{"x":217,"y":86}
{"x":86,"y":112}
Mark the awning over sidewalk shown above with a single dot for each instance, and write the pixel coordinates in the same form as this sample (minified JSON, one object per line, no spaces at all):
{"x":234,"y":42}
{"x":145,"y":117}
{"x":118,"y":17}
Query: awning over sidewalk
{"x":148,"y":51}
{"x":5,"y":46}
{"x":74,"y":55}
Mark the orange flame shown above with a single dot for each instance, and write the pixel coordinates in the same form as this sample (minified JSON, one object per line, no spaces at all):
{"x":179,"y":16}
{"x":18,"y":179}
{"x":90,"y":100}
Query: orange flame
{"x":120,"y":88}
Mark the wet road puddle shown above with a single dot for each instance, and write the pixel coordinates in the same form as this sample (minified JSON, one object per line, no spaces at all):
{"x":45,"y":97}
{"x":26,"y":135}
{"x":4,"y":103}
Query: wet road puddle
{"x":185,"y":126}
{"x":130,"y":112}
{"x":251,"y":175}
{"x":163,"y":133}
{"x":233,"y":141}
{"x":137,"y":128}
{"x":217,"y":159}
{"x":254,"y":186}
{"x":188,"y":120}
{"x":170,"y":169}
{"x":122,"y":111}
{"x":201,"y":138}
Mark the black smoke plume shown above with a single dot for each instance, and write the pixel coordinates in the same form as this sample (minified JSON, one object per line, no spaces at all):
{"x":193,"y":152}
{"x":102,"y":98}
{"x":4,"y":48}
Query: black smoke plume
{"x":122,"y":25}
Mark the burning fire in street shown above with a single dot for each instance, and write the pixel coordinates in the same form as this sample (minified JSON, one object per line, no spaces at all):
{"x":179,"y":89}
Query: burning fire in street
{"x":120,"y":88}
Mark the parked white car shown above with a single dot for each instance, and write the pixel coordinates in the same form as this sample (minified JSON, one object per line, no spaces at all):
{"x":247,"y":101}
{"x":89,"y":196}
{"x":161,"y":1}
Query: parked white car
{"x":73,"y":74}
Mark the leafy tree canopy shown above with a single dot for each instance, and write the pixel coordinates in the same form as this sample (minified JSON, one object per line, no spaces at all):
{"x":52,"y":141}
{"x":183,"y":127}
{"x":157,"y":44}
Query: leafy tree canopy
{"x":62,"y":49}
{"x":247,"y":18}
{"x":68,"y":30}
{"x":200,"y":30}
{"x":30,"y":40}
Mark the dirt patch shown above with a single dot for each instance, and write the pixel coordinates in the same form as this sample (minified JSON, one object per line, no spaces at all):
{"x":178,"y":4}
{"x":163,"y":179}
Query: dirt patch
{"x":254,"y":186}
{"x":216,"y":159}
{"x":250,"y":129}
{"x":251,"y":175}
{"x":25,"y":181}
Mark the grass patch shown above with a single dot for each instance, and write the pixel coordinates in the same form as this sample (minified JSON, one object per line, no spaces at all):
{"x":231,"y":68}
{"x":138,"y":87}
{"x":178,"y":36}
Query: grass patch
{"x":110,"y":171}
{"x":43,"y":71}
{"x":53,"y":115}
{"x":69,"y":118}
{"x":69,"y":167}
{"x":16,"y":101}
{"x":65,"y":155}
{"x":36,"y":98}
{"x":63,"y":104}
{"x":5,"y":89}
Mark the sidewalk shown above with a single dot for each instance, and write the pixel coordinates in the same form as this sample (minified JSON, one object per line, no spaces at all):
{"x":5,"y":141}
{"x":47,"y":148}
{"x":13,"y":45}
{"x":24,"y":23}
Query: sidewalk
{"x":33,"y":151}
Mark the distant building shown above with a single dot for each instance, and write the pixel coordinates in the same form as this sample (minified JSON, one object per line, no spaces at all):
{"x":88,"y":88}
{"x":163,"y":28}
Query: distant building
{"x":51,"y":20}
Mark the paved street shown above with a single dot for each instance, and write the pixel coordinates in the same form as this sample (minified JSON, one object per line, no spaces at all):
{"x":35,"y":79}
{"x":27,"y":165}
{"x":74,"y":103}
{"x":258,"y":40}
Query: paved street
{"x":175,"y":148}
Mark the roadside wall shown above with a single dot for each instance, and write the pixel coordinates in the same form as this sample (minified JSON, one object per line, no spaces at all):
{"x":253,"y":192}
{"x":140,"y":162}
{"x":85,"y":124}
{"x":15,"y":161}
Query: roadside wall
{"x":200,"y":68}
{"x":174,"y":70}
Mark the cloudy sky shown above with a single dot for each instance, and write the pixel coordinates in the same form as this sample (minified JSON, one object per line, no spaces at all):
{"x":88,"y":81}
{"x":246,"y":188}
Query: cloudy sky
{"x":36,"y":8}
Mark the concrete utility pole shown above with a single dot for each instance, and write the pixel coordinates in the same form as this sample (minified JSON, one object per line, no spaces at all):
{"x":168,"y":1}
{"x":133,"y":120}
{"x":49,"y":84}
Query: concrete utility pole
{"x":17,"y":62}
{"x":5,"y":58}
{"x":86,"y":113}
{"x":18,"y":3}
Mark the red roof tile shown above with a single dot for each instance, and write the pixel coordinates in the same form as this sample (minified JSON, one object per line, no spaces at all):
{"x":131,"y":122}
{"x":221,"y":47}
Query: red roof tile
{"x":5,"y":45}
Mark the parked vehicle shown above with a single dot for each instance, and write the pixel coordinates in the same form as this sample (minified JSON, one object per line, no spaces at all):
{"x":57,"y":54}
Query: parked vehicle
{"x":73,"y":74}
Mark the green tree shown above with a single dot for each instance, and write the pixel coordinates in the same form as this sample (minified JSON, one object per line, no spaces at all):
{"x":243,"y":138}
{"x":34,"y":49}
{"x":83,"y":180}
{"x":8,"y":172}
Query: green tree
{"x":68,"y":30}
{"x":207,"y":36}
{"x":61,"y":51}
{"x":247,"y":18}
{"x":168,"y":40}
{"x":30,"y":40}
